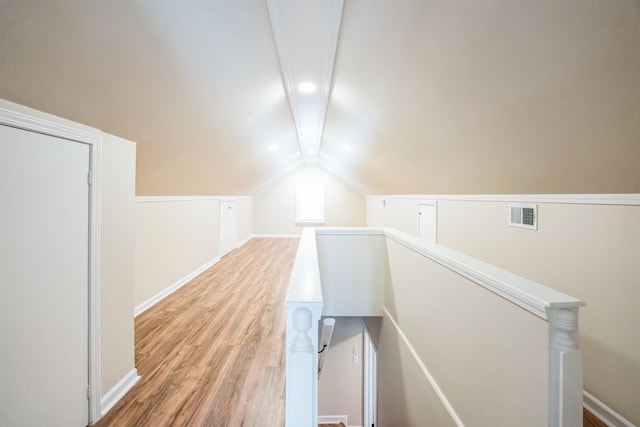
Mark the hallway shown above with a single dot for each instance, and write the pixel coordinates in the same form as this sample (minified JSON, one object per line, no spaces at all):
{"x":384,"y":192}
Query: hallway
{"x":211,"y":354}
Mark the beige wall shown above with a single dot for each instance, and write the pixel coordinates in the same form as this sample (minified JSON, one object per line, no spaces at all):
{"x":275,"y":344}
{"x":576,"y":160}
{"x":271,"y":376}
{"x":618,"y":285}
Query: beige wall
{"x":173,"y":238}
{"x":116,"y":260}
{"x":275,"y":208}
{"x":590,"y":252}
{"x":488,"y":97}
{"x":472,"y":341}
{"x":587,"y":251}
{"x":340,"y":386}
{"x":405,"y":397}
{"x":453,"y":97}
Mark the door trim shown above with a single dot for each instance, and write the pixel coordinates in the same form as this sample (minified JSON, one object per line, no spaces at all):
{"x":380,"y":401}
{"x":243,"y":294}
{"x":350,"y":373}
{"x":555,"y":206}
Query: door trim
{"x":17,"y":116}
{"x":370,"y":381}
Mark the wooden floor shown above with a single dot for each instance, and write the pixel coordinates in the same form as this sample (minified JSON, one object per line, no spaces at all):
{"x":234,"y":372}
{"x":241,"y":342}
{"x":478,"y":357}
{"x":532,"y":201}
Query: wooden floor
{"x":590,"y":420}
{"x":211,"y":354}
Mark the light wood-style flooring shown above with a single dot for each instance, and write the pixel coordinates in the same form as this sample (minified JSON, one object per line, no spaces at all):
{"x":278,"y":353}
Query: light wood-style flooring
{"x":590,"y":420}
{"x":212,"y":353}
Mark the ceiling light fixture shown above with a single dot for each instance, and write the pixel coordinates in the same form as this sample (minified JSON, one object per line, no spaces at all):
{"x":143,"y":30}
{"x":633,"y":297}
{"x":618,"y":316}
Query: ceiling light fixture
{"x":307,"y":87}
{"x":346,"y":148}
{"x":273,"y":147}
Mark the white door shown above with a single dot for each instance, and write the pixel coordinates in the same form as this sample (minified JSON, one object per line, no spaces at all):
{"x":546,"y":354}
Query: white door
{"x":228,"y":227}
{"x":44,"y":224}
{"x":427,"y":222}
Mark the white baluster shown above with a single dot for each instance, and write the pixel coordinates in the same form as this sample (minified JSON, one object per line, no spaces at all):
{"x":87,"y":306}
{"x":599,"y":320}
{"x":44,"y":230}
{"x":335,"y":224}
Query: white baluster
{"x":302,"y":364}
{"x":302,"y":324}
{"x":565,"y":369}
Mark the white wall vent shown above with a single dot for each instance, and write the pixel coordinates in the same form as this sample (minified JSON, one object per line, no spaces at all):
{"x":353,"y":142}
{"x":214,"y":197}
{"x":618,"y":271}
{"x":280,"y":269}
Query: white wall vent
{"x":524,"y":216}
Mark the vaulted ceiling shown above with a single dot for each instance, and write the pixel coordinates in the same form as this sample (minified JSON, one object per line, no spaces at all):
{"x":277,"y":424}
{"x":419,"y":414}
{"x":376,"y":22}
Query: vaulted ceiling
{"x":424,"y":96}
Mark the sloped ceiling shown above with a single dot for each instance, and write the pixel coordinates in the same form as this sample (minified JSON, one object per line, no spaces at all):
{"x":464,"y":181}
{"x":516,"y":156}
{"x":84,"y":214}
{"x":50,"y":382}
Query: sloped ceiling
{"x":428,"y":96}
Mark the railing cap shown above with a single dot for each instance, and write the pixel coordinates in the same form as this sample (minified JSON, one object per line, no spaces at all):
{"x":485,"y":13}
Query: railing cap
{"x":304,"y":285}
{"x":526,"y":293}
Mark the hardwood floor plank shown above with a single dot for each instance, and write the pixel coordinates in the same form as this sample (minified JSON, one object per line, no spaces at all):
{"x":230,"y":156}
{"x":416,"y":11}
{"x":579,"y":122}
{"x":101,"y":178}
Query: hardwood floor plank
{"x":590,"y":420}
{"x":212,"y":353}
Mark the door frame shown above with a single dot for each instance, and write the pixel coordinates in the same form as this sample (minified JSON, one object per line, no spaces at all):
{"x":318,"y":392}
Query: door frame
{"x":370,"y":381}
{"x":17,"y":116}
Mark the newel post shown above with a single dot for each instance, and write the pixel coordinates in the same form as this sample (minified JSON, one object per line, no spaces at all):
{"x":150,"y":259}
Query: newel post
{"x":565,"y":368}
{"x":302,"y":364}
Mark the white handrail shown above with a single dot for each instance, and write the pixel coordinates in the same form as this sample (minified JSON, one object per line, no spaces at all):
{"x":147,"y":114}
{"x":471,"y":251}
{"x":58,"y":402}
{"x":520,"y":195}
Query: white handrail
{"x":304,"y":305}
{"x":528,"y":294}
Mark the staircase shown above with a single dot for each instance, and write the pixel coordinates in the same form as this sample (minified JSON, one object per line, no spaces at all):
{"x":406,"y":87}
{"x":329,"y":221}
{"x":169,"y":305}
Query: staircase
{"x":435,"y":303}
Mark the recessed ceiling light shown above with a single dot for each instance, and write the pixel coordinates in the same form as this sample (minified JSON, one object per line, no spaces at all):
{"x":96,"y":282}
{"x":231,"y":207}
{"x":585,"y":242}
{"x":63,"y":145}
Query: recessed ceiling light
{"x":307,"y":87}
{"x":273,"y":147}
{"x":311,"y":151}
{"x":346,"y":148}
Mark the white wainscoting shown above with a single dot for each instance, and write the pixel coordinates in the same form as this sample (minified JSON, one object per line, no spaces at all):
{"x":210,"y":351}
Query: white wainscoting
{"x":631,"y":199}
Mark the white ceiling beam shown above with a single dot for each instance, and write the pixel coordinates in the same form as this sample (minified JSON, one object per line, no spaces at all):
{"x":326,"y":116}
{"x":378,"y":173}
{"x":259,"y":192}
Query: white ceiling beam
{"x":306,"y":34}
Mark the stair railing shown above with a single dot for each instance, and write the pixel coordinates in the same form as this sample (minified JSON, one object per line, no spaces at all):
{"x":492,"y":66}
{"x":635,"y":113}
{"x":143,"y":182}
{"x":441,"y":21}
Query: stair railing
{"x":304,"y":307}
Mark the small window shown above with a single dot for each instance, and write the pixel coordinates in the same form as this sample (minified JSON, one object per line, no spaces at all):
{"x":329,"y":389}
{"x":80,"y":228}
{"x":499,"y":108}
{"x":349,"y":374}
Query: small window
{"x":310,"y":202}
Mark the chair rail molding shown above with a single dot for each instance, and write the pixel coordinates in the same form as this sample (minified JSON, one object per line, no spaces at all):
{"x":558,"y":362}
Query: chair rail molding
{"x":631,"y":199}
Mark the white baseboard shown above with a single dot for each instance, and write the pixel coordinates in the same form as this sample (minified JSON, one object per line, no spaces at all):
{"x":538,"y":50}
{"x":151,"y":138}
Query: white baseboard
{"x":171,"y":289}
{"x":332,"y":419}
{"x":603,"y":412}
{"x":245,"y":241}
{"x":277,"y":235}
{"x":118,"y":391}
